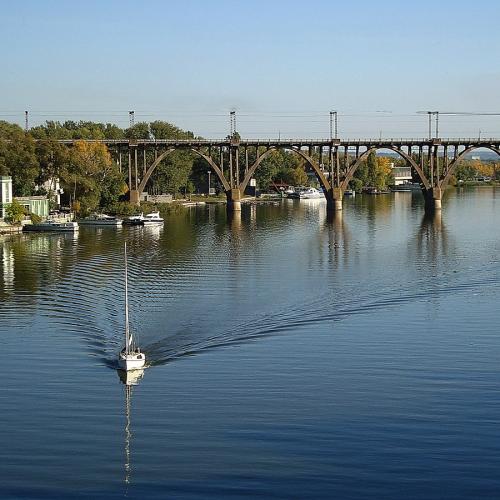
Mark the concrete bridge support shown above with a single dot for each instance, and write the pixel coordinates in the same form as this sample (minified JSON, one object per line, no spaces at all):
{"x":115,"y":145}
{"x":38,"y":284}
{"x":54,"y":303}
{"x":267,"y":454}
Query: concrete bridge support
{"x":233,"y":200}
{"x":334,"y":199}
{"x":433,"y":198}
{"x":134,"y":197}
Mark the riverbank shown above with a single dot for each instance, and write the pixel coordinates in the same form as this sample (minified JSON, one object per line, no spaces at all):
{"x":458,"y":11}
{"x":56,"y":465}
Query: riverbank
{"x":8,"y":229}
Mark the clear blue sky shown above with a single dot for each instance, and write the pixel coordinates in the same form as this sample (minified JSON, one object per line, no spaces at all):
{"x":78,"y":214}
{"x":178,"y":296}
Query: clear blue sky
{"x":282,"y":65}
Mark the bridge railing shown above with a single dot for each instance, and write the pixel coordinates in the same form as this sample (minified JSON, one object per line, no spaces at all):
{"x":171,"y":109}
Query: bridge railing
{"x":304,"y":141}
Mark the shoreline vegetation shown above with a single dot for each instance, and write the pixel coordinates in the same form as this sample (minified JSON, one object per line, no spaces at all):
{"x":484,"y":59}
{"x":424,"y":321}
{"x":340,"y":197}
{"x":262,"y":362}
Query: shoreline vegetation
{"x":93,"y":181}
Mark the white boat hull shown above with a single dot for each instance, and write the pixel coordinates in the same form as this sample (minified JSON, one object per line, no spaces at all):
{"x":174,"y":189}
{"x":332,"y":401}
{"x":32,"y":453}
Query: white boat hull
{"x":114,"y":223}
{"x":152,"y":223}
{"x":312,"y":196}
{"x":132,"y":361}
{"x":52,"y":226}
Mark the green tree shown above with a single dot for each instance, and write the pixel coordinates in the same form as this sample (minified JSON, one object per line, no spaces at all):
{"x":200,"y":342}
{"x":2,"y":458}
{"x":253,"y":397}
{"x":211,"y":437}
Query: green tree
{"x":164,"y":130}
{"x":52,"y":158}
{"x":371,"y":166}
{"x":14,"y":213}
{"x":279,"y":165}
{"x":18,"y":158}
{"x":92,"y":178}
{"x":138,"y":131}
{"x":299,"y":177}
{"x":173,"y":173}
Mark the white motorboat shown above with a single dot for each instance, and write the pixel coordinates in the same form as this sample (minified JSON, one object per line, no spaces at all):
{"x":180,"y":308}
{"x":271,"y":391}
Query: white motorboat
{"x":130,"y":357}
{"x":52,"y":225}
{"x":100,"y":220}
{"x":407,"y":186}
{"x":310,"y":194}
{"x":152,"y":219}
{"x":134,"y":220}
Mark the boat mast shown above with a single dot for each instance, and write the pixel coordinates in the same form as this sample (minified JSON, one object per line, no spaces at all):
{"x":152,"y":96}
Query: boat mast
{"x":127,"y":328}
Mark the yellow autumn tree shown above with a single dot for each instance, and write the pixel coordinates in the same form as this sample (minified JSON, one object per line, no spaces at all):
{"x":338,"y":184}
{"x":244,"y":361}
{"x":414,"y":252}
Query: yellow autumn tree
{"x":484,"y":169}
{"x":93,"y":178}
{"x":383,"y":174}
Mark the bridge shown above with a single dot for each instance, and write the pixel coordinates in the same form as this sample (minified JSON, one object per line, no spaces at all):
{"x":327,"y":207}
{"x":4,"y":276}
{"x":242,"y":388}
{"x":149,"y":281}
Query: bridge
{"x":334,"y":161}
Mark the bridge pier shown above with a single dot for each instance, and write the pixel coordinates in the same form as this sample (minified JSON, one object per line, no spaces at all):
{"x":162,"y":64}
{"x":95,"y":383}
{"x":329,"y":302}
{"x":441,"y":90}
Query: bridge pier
{"x":233,"y":200}
{"x":334,"y":199}
{"x":433,"y":198}
{"x":134,"y":197}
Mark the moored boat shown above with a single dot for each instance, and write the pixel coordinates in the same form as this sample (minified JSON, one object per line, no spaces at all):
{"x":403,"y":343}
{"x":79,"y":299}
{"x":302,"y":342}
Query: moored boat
{"x":407,"y":186}
{"x":305,"y":193}
{"x":310,"y":194}
{"x":152,"y":219}
{"x":100,"y":220}
{"x":134,"y":220}
{"x":52,"y":225}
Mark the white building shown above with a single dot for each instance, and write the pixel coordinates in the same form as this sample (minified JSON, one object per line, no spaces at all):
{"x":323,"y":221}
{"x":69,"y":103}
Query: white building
{"x":402,"y":175}
{"x":5,"y":194}
{"x":53,"y":189}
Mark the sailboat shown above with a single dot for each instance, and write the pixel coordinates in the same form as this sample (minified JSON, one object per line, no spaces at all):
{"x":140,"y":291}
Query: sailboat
{"x":130,"y":357}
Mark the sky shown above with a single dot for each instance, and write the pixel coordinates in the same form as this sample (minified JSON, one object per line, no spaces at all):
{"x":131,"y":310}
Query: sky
{"x":281,"y":65}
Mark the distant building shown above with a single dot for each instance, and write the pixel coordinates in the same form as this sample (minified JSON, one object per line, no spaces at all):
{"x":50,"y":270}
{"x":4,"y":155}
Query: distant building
{"x":475,"y":157}
{"x":5,"y":194}
{"x":156,"y":198}
{"x":53,"y":189}
{"x":402,"y":175}
{"x":38,"y":205}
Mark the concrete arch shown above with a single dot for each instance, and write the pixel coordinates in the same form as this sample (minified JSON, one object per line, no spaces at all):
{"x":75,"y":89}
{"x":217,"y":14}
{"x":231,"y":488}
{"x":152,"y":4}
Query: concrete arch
{"x":352,"y":169}
{"x":322,"y":179}
{"x":453,"y":164}
{"x":158,"y":160}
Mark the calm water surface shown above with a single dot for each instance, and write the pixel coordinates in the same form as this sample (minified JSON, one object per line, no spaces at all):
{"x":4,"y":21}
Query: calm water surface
{"x":292,"y":356}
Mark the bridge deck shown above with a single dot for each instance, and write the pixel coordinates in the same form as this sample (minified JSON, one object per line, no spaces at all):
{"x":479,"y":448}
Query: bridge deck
{"x":380,"y":143}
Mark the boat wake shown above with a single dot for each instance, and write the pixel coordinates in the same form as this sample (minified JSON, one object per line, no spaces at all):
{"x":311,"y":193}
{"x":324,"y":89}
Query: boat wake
{"x":293,"y":319}
{"x":84,"y":299}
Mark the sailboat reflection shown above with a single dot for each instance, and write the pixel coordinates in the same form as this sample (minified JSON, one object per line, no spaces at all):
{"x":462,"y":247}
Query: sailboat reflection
{"x":129,"y":379}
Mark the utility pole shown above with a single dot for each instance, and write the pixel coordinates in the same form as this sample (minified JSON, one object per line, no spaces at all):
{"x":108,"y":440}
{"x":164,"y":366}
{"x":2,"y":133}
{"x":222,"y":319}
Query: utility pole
{"x":430,"y":114}
{"x":131,"y":117}
{"x":26,"y":121}
{"x":333,"y":125}
{"x":232,"y":123}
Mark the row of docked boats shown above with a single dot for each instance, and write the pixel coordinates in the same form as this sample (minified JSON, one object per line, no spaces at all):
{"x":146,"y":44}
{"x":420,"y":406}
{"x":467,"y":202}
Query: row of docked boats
{"x":152,"y":219}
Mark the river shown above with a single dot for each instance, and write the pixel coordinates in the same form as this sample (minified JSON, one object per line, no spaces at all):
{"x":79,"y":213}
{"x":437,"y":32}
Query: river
{"x":293,"y":355}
